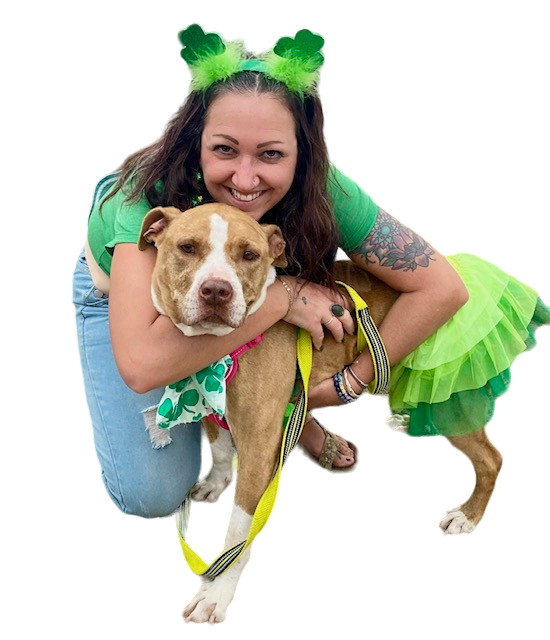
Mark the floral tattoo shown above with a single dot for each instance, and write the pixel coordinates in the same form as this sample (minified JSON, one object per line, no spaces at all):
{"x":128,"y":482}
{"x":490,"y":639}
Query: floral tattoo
{"x":395,"y":245}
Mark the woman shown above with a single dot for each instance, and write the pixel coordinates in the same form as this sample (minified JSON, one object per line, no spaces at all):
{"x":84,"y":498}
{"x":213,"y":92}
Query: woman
{"x":250,"y":134}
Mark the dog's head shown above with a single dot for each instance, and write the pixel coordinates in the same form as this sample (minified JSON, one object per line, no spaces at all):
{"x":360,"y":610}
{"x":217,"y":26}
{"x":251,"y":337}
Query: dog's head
{"x":214,"y":264}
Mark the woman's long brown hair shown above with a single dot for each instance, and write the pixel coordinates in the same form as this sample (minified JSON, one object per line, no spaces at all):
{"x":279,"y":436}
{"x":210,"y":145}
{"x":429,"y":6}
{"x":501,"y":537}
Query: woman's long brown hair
{"x":166,"y":172}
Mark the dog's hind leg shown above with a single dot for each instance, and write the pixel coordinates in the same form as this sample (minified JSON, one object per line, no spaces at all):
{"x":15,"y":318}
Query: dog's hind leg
{"x":487,"y":462}
{"x":219,"y":477}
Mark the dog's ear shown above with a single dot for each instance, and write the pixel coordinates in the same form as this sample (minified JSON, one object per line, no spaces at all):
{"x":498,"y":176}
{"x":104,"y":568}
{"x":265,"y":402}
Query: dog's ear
{"x":154,"y":224}
{"x":276,"y":244}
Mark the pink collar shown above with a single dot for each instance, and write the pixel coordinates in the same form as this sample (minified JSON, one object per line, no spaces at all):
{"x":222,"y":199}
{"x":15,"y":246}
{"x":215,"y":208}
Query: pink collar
{"x":234,"y":355}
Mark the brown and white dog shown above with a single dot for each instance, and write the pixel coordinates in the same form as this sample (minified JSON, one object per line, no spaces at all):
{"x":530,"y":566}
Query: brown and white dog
{"x":213,"y":267}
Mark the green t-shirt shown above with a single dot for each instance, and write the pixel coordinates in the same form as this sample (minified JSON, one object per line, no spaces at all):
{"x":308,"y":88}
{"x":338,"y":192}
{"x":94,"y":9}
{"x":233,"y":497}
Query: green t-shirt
{"x":120,"y":221}
{"x":354,"y":210}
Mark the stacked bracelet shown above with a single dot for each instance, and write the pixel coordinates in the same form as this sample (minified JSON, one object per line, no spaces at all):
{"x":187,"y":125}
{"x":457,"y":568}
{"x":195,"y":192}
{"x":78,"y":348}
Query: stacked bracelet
{"x":343,"y":386}
{"x":341,"y":389}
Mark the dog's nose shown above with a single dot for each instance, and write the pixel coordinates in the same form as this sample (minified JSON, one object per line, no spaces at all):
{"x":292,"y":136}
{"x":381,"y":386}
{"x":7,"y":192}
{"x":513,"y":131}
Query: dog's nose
{"x":216,"y":291}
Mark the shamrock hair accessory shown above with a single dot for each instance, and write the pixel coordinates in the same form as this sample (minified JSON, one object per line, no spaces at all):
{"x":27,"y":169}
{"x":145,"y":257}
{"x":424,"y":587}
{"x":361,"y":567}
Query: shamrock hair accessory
{"x":295,"y":62}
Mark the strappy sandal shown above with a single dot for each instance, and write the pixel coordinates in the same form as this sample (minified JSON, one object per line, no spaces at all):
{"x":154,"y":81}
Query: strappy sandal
{"x":332,"y":448}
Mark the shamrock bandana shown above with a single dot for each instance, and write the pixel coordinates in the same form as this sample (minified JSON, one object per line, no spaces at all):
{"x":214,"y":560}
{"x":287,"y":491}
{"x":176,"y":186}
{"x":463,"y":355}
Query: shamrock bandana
{"x":195,"y":397}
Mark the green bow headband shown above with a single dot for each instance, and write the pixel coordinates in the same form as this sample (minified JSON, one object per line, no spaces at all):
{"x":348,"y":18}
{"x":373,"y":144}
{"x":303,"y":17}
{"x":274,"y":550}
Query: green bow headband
{"x":295,"y":62}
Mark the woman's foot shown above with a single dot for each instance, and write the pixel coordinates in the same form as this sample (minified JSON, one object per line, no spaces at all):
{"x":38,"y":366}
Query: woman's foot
{"x":330,"y":450}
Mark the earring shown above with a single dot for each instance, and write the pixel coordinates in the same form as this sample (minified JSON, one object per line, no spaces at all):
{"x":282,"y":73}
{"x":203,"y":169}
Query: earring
{"x":196,"y":200}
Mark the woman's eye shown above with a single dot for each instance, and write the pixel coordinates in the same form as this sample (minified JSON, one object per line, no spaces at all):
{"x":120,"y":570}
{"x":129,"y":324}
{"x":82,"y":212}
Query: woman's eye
{"x":224,"y":149}
{"x":272,"y":154}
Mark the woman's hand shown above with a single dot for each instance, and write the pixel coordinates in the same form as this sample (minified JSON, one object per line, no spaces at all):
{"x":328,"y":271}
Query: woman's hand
{"x":310,"y":307}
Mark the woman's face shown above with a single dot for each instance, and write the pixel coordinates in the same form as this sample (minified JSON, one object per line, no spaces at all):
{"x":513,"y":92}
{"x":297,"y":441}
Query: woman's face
{"x":249,"y":151}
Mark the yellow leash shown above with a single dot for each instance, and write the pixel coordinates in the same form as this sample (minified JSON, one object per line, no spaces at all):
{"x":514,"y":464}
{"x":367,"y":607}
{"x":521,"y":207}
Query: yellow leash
{"x":265,"y":506}
{"x":367,"y":336}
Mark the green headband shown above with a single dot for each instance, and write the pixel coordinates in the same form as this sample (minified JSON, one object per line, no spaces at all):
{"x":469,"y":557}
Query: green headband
{"x":294,"y":62}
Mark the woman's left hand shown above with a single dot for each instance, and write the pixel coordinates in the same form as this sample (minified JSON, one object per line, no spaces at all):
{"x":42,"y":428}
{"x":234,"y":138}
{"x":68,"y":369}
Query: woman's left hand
{"x":311,"y":309}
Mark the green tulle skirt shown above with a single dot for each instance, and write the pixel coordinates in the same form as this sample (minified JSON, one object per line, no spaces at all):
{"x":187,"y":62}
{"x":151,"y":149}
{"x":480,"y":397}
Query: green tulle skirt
{"x":449,"y":384}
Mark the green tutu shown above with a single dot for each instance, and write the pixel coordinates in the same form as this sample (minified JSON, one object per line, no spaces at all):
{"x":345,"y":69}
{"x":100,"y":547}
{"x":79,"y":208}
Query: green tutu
{"x":449,"y":384}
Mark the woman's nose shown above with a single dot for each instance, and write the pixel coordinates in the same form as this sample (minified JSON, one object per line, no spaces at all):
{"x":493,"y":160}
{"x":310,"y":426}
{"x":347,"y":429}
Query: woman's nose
{"x":244,"y":177}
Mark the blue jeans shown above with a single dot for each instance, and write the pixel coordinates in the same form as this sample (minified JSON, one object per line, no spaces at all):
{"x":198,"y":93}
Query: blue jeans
{"x":141,"y":480}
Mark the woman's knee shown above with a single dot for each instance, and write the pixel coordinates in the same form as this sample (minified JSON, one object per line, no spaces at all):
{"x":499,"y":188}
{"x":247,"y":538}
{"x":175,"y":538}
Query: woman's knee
{"x":149,"y":502}
{"x":158,"y":491}
{"x":156,"y":483}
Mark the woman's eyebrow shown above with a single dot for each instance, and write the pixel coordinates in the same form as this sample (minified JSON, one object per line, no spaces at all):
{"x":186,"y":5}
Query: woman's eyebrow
{"x":265,"y":144}
{"x":236,"y":142}
{"x":223,"y":135}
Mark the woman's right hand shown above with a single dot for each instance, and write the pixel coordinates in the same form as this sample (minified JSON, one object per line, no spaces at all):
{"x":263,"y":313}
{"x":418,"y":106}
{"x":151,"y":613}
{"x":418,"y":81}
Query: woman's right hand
{"x":310,"y":307}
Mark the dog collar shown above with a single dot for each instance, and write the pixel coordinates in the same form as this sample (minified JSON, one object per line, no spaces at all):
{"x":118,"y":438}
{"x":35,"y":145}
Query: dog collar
{"x":234,"y":355}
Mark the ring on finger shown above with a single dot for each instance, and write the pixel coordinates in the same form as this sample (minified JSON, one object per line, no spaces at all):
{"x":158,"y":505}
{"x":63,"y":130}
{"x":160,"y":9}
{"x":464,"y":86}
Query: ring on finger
{"x":329,"y":321}
{"x":337,"y":310}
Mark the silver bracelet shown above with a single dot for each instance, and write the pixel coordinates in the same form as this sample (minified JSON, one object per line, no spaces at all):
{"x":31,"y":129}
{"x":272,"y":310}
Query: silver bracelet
{"x":347,"y":385}
{"x":357,"y":378}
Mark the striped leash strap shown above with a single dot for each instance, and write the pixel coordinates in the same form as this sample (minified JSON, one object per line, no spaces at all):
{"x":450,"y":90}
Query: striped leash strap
{"x":368,"y":336}
{"x":265,"y":506}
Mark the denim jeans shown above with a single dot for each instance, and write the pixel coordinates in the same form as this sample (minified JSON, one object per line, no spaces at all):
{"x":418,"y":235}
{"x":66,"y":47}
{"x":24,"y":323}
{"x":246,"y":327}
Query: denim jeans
{"x":141,"y":480}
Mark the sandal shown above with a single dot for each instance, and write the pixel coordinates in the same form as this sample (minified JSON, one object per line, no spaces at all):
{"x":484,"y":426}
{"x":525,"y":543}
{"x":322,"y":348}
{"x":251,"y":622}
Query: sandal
{"x":332,"y":448}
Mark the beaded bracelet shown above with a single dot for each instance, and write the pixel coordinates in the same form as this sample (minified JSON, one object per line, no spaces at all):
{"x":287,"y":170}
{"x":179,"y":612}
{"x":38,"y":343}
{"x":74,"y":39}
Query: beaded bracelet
{"x":343,"y":386}
{"x":342,"y":392}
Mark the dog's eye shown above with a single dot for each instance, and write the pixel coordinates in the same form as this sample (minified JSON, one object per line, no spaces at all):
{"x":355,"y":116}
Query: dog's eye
{"x":187,"y":248}
{"x":249,"y":255}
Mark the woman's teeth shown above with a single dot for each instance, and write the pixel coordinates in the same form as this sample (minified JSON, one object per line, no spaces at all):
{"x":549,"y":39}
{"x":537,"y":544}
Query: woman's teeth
{"x":245,"y":197}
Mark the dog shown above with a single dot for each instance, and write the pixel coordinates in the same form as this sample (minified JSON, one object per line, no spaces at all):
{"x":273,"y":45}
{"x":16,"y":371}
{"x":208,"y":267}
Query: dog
{"x":214,"y":265}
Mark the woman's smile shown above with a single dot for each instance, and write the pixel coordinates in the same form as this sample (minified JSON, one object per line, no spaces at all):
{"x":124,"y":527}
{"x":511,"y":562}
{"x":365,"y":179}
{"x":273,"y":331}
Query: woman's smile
{"x":242,"y":197}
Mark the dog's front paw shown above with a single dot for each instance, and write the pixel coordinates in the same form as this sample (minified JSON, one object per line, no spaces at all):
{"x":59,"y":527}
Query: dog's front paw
{"x":210,"y":604}
{"x":455,"y":522}
{"x":212,"y":487}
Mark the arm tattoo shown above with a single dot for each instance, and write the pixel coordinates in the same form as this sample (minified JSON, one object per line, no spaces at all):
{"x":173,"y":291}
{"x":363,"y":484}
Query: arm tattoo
{"x":395,"y":245}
